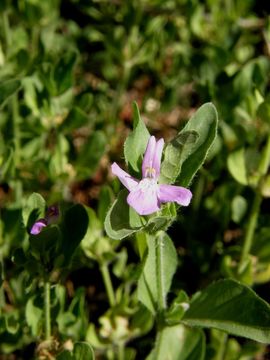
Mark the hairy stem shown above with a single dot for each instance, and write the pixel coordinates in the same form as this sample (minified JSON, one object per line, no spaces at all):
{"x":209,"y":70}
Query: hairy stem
{"x":160,"y":274}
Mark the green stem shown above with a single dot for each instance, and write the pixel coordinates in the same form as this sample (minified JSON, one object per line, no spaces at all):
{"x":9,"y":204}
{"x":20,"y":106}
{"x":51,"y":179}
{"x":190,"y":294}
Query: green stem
{"x":47,"y":309}
{"x":108,"y":283}
{"x":222,"y":346}
{"x":16,"y":129}
{"x":160,"y":274}
{"x":121,"y":351}
{"x":158,"y":344}
{"x":255,"y":209}
{"x":252,"y":223}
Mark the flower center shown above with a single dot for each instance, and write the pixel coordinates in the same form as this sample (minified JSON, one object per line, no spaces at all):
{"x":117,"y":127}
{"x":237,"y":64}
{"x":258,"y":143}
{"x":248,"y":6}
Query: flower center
{"x":148,"y":184}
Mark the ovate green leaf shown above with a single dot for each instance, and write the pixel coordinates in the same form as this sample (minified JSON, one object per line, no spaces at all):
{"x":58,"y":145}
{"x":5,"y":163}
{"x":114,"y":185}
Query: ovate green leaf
{"x":204,"y":123}
{"x":179,"y":343}
{"x":74,"y":229}
{"x":158,"y":270}
{"x":83,"y":351}
{"x":230,"y":306}
{"x":175,"y":154}
{"x":33,"y":210}
{"x":121,"y":220}
{"x":136,"y":142}
{"x":237,"y":167}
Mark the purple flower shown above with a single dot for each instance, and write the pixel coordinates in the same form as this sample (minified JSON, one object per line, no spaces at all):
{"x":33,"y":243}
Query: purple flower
{"x":38,"y":226}
{"x":52,"y":215}
{"x":146,"y":195}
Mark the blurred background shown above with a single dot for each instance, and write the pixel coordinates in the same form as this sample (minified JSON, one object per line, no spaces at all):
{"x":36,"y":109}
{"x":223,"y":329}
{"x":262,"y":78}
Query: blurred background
{"x":69,"y":72}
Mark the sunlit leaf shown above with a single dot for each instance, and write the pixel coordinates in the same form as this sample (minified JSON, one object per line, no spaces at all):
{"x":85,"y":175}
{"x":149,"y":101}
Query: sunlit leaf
{"x":158,"y":270}
{"x":233,"y":307}
{"x":136,"y":142}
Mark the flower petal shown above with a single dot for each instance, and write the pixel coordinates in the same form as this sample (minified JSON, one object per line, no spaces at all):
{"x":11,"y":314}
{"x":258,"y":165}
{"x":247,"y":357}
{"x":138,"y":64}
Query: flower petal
{"x":171,"y":193}
{"x":128,"y":181}
{"x":38,"y":226}
{"x":148,"y":156}
{"x":152,"y":158}
{"x":144,"y":197}
{"x":157,"y":156}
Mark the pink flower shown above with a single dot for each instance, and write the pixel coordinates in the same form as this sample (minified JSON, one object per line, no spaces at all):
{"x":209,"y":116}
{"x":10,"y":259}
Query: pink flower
{"x":146,"y":195}
{"x":51,"y":217}
{"x":38,"y":226}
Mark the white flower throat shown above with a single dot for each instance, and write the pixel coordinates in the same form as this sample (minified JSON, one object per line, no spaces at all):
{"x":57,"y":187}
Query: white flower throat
{"x":148,"y":184}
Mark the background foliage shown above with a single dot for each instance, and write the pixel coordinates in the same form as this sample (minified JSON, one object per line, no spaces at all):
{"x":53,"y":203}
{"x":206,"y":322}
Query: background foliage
{"x":69,"y":72}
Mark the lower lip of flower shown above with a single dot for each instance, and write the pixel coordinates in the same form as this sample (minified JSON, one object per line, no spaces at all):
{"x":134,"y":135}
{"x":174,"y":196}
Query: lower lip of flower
{"x":148,"y":184}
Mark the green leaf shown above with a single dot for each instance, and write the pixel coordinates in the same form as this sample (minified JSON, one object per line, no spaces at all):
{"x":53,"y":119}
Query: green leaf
{"x":91,"y":153}
{"x":204,"y":123}
{"x":12,"y":322}
{"x":158,"y":270}
{"x":237,"y":166}
{"x":163,"y":220}
{"x":105,"y":200}
{"x":6,"y":162}
{"x":121,"y":220}
{"x":230,"y":306}
{"x":175,"y":154}
{"x":65,"y":355}
{"x":177,"y":309}
{"x":74,"y":228}
{"x":7,"y":89}
{"x":75,"y":119}
{"x":263,"y":111}
{"x":34,"y":315}
{"x":239,"y":208}
{"x":179,"y":343}
{"x":83,"y":351}
{"x":136,"y":142}
{"x":63,"y":76}
{"x":33,"y":210}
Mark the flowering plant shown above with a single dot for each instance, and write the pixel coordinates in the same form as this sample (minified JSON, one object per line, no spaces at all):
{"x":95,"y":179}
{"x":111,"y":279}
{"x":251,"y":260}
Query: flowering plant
{"x":146,"y":196}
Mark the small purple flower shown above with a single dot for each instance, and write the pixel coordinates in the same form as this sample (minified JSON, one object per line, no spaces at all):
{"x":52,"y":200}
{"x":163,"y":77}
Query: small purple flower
{"x":38,"y":226}
{"x":51,"y":217}
{"x":146,"y":195}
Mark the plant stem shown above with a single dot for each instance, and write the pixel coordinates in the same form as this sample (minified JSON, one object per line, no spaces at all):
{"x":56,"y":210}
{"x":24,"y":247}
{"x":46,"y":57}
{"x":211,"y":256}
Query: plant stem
{"x":121,"y":351}
{"x":47,"y":309}
{"x":252,"y":223}
{"x":222,"y":346}
{"x":108,"y":283}
{"x":160,"y":273}
{"x":16,"y":129}
{"x":255,"y":209}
